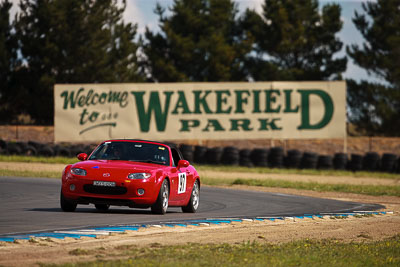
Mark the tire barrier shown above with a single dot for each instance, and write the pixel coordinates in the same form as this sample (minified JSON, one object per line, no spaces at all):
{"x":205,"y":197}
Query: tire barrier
{"x":46,"y":151}
{"x":274,"y":157}
{"x":187,"y":152}
{"x":3,"y":145}
{"x":30,"y":151}
{"x":230,"y":156}
{"x":325,"y":162}
{"x":244,"y":158}
{"x":355,"y":163}
{"x":388,"y":162}
{"x":259,"y":157}
{"x":371,"y":161}
{"x":340,"y":161}
{"x":214,"y":155}
{"x":309,"y":160}
{"x":61,"y":151}
{"x":293,"y":159}
{"x":13,"y":149}
{"x":200,"y":154}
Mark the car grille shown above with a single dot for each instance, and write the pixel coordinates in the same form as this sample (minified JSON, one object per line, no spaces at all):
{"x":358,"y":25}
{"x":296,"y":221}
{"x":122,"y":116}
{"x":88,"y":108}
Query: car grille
{"x":104,"y":190}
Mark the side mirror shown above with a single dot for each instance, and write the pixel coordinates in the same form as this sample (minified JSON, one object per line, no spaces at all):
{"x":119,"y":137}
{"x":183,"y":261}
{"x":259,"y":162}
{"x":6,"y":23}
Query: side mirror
{"x":82,"y":156}
{"x":183,"y":163}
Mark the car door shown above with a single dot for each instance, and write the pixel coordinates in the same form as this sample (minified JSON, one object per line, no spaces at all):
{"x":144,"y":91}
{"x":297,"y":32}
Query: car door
{"x":181,"y":180}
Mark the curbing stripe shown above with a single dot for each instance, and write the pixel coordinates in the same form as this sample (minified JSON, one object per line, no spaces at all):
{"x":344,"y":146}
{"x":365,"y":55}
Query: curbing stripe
{"x":99,"y":231}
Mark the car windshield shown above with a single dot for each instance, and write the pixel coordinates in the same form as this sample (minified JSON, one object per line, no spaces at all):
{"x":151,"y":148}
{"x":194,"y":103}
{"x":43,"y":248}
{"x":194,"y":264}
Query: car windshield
{"x":132,"y":151}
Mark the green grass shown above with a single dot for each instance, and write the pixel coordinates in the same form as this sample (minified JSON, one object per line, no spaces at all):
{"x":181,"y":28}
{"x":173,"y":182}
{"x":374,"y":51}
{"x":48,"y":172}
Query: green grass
{"x":373,"y":190}
{"x":38,"y":174}
{"x":298,"y":253}
{"x":61,"y":160}
{"x":263,"y":170}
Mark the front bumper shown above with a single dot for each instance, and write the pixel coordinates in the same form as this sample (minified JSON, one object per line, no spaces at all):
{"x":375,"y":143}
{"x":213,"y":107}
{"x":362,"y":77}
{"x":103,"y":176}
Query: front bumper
{"x":124,"y":193}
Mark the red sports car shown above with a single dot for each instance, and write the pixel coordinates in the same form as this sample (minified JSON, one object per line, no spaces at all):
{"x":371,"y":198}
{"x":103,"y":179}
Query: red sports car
{"x":134,"y":173}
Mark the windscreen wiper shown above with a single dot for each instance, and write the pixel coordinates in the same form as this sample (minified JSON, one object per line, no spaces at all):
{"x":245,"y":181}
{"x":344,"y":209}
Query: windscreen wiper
{"x":149,"y":161}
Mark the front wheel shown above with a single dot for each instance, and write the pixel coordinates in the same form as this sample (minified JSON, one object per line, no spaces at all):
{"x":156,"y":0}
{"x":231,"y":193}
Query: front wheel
{"x":67,"y":205}
{"x":161,"y":205}
{"x":194,"y":200}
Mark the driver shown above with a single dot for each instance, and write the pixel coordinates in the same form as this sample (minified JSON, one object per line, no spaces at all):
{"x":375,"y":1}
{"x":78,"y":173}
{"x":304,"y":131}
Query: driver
{"x":116,"y":151}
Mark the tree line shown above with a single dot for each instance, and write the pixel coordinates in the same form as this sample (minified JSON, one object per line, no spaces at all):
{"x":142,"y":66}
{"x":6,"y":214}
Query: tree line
{"x":87,"y":41}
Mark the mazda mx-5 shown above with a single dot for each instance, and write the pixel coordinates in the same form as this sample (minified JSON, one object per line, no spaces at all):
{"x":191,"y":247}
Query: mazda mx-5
{"x":133,"y":173}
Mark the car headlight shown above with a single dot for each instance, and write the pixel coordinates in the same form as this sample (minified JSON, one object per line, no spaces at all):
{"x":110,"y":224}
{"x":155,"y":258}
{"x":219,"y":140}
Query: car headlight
{"x":77,"y":171}
{"x":139,"y":175}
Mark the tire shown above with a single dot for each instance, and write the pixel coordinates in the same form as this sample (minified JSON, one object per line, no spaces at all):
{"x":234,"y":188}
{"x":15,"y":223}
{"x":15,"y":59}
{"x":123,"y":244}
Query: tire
{"x":244,"y":158}
{"x":259,"y":157}
{"x":46,"y":151}
{"x":355,"y":163}
{"x":161,"y":205}
{"x":102,"y":207}
{"x":63,"y":152}
{"x":309,"y":160}
{"x":67,"y":205}
{"x":371,"y":161}
{"x":30,"y":151}
{"x":388,"y":162}
{"x":275,"y":157}
{"x":194,"y":200}
{"x":3,"y":144}
{"x":230,"y":156}
{"x":187,"y":152}
{"x":325,"y":162}
{"x":199,"y":155}
{"x":35,"y":144}
{"x":13,"y":149}
{"x":293,"y":159}
{"x":340,"y":161}
{"x":75,"y":150}
{"x":214,"y":155}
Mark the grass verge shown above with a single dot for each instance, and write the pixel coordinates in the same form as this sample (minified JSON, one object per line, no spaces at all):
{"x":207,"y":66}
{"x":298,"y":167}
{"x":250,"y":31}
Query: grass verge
{"x":15,"y":158}
{"x":373,"y":190}
{"x":264,"y":170}
{"x":297,"y":253}
{"x":39,"y":174}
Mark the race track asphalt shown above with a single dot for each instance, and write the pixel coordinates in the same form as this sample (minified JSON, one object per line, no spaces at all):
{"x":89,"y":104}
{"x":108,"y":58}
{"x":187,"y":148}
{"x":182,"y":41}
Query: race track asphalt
{"x":32,"y":205}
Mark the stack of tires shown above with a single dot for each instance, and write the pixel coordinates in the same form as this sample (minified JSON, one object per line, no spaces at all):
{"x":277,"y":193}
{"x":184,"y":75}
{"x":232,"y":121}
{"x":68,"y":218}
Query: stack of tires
{"x":275,"y":157}
{"x":230,"y":156}
{"x":355,"y":163}
{"x":371,"y":162}
{"x":214,"y":155}
{"x":245,"y":158}
{"x":293,"y":159}
{"x":388,"y":162}
{"x":187,"y":152}
{"x":325,"y":162}
{"x":3,"y":147}
{"x":200,"y":153}
{"x":309,"y":160}
{"x":259,"y":157}
{"x":340,"y":161}
{"x":21,"y":148}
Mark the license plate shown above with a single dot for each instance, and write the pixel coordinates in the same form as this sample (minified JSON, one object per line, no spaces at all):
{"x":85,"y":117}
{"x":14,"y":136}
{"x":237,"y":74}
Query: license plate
{"x":103,"y":183}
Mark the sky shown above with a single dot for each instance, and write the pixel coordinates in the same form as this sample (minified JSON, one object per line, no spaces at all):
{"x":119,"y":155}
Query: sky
{"x":141,"y":12}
